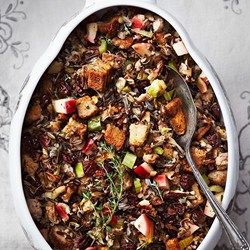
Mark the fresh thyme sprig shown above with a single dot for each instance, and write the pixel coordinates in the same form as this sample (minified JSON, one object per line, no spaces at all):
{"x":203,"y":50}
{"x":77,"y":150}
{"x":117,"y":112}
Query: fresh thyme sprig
{"x":116,"y":187}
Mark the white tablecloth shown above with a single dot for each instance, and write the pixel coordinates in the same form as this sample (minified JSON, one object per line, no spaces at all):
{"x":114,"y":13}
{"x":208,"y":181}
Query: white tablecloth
{"x":219,"y":28}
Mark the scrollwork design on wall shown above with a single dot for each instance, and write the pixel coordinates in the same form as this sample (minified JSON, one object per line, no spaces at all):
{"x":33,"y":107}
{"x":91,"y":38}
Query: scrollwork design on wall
{"x":233,"y":5}
{"x":8,"y":17}
{"x":5,"y":118}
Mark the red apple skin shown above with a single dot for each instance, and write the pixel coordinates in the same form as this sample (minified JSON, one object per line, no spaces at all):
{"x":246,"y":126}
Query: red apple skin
{"x":70,"y":106}
{"x":142,"y":172}
{"x":161,"y":181}
{"x":137,"y":22}
{"x":91,"y":248}
{"x":146,"y":227}
{"x":62,"y":213}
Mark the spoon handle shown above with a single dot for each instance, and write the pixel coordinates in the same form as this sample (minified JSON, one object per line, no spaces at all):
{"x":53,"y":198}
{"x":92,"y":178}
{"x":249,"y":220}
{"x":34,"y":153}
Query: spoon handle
{"x":236,"y":239}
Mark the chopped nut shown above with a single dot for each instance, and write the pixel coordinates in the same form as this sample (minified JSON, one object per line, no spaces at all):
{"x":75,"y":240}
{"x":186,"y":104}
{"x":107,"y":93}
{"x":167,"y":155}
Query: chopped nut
{"x":29,"y":165}
{"x":33,"y":114}
{"x":221,"y":161}
{"x":150,"y":158}
{"x":35,"y":208}
{"x":51,"y":212}
{"x":199,"y":199}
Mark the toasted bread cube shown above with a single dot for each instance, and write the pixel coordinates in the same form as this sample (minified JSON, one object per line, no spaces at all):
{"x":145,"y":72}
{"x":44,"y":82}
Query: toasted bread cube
{"x":137,"y":134}
{"x":198,"y":155}
{"x":173,"y":244}
{"x":110,"y":27}
{"x":123,"y":43}
{"x":86,"y":107}
{"x":34,"y":113}
{"x":173,"y":107}
{"x":114,"y":136}
{"x":199,"y":199}
{"x":178,"y":123}
{"x":74,"y":128}
{"x":218,"y":177}
{"x":97,"y":74}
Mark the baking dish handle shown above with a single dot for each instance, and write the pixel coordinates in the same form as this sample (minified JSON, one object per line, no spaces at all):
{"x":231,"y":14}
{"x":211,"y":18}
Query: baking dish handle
{"x":89,"y":3}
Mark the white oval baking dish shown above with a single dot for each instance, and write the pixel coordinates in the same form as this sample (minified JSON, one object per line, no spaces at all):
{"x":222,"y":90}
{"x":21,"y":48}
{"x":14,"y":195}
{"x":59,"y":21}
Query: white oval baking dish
{"x":34,"y":236}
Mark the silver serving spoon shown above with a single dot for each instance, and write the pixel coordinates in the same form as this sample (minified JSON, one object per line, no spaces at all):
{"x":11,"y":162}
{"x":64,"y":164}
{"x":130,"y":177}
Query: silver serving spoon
{"x":237,"y":240}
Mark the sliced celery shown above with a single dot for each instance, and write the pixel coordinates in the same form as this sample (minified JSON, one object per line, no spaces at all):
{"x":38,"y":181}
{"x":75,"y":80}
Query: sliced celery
{"x":172,"y":66}
{"x":103,"y":47}
{"x":137,"y":185}
{"x":156,"y":88}
{"x":94,"y":124}
{"x":169,"y":95}
{"x":129,"y":160}
{"x":158,"y":150}
{"x":205,"y":178}
{"x":216,"y":188}
{"x":79,"y":170}
{"x":185,"y":242}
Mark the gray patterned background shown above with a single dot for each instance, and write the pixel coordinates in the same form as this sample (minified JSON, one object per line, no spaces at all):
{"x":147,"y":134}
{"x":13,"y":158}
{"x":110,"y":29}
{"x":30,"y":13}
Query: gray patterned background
{"x":219,"y":28}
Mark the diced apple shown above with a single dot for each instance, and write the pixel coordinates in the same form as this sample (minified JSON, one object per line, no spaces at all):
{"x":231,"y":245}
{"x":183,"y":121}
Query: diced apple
{"x":138,"y":21}
{"x":158,"y":25}
{"x":91,"y":248}
{"x":180,"y":48}
{"x":64,"y":106}
{"x":161,"y":181}
{"x":145,"y":226}
{"x":189,"y":225}
{"x":208,"y":210}
{"x":114,"y":220}
{"x":144,"y":170}
{"x":91,"y":32}
{"x":143,"y":49}
{"x":63,"y":211}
